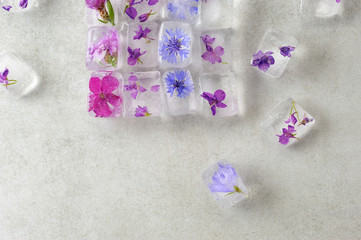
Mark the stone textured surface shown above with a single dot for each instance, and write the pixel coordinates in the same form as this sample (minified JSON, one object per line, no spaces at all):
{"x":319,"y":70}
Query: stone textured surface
{"x":64,"y":175}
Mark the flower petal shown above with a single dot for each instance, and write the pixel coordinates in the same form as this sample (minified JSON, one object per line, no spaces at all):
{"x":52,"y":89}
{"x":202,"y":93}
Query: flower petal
{"x":220,"y":95}
{"x":109,"y":84}
{"x":95,"y":85}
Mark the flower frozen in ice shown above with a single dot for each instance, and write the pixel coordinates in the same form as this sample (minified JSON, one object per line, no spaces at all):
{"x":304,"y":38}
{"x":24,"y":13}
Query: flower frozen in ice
{"x":142,"y":112}
{"x":212,"y":55}
{"x":225,"y":180}
{"x":305,"y":120}
{"x":292,"y":119}
{"x":179,"y":81}
{"x":7,"y":7}
{"x":134,"y":56}
{"x":132,"y":12}
{"x":134,"y":87}
{"x":102,"y":101}
{"x":144,"y":17}
{"x":140,"y":33}
{"x":23,"y":4}
{"x":4,"y":78}
{"x":179,"y":9}
{"x":286,"y":51}
{"x":215,"y":100}
{"x":287,"y":134}
{"x":174,"y":43}
{"x":104,"y":8}
{"x":106,"y":49}
{"x":263,"y":60}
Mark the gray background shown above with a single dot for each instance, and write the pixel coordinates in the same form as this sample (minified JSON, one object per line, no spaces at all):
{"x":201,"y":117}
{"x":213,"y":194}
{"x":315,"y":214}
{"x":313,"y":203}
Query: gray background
{"x":65,"y":175}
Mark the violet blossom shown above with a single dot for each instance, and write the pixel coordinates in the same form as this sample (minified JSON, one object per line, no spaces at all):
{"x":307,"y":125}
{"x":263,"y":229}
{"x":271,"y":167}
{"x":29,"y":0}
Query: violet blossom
{"x":212,"y":55}
{"x":305,"y":120}
{"x":106,"y":12}
{"x":142,"y":34}
{"x":263,"y":60}
{"x":134,"y":87}
{"x":287,"y":134}
{"x":4,"y":78}
{"x":215,"y":100}
{"x":144,"y":17}
{"x":7,"y":7}
{"x":134,"y":56}
{"x":142,"y":112}
{"x":23,"y":4}
{"x":286,"y":51}
{"x":132,"y":12}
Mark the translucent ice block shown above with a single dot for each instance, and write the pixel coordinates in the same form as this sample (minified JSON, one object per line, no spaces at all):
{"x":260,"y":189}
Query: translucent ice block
{"x":105,"y":98}
{"x":274,"y":53}
{"x":322,"y":8}
{"x":183,"y":10}
{"x":218,"y":95}
{"x":216,"y":13}
{"x":179,"y":88}
{"x":104,"y":49}
{"x":143,"y":36}
{"x":288,"y":123}
{"x":141,"y":11}
{"x":19,"y":5}
{"x":19,"y":79}
{"x":216,"y":51}
{"x":102,"y":14}
{"x":142,"y":94}
{"x":224,"y":183}
{"x":175,"y":44}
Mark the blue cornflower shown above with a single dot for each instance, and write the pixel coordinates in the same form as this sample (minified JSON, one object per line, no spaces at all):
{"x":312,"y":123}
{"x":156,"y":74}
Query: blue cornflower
{"x":179,"y":81}
{"x":179,"y":9}
{"x":173,"y":44}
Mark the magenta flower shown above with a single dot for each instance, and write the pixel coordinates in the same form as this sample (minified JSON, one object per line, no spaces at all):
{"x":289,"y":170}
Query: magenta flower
{"x":142,"y":112}
{"x":7,"y":7}
{"x":142,"y":34}
{"x":144,"y":17}
{"x":95,"y":4}
{"x":134,"y":56}
{"x":106,"y":13}
{"x":134,"y":87}
{"x":338,"y":1}
{"x":215,"y":100}
{"x":102,"y":101}
{"x":292,"y":119}
{"x":106,"y":48}
{"x":287,"y":134}
{"x":23,"y":4}
{"x":286,"y":51}
{"x":263,"y":60}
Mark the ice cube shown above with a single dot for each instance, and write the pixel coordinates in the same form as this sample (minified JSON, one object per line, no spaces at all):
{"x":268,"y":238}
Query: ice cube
{"x":19,"y":78}
{"x":183,"y":10}
{"x":104,"y":49}
{"x":143,"y":36}
{"x":141,"y":11}
{"x":274,"y":53}
{"x":288,"y":123}
{"x":102,"y":14}
{"x":175,"y":45}
{"x":142,"y":94}
{"x":20,"y":5}
{"x":105,"y":98}
{"x":322,"y":8}
{"x":180,"y":92}
{"x":224,"y":183}
{"x":216,"y":51}
{"x":218,"y":95}
{"x":216,"y":13}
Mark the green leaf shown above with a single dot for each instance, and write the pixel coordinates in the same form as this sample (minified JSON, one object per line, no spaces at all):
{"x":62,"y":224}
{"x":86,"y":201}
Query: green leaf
{"x":111,"y":12}
{"x":102,"y":21}
{"x":114,"y":62}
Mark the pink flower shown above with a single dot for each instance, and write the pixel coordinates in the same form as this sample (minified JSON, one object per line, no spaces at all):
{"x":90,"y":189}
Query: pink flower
{"x":102,"y":101}
{"x":95,"y":4}
{"x":142,"y":112}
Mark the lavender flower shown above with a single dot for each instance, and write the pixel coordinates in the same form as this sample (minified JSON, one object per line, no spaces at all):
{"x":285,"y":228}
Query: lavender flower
{"x":179,"y":9}
{"x":132,"y":12}
{"x":263,"y":60}
{"x":105,"y":9}
{"x":106,"y":48}
{"x":174,"y":43}
{"x":4,"y":78}
{"x":292,"y":119}
{"x":287,"y":134}
{"x":179,"y":81}
{"x":134,"y":56}
{"x":23,"y":4}
{"x":133,"y":86}
{"x":142,"y":34}
{"x":7,"y":7}
{"x":212,"y":55}
{"x":142,"y":112}
{"x":144,"y":17}
{"x":305,"y":120}
{"x":286,"y":51}
{"x":215,"y":100}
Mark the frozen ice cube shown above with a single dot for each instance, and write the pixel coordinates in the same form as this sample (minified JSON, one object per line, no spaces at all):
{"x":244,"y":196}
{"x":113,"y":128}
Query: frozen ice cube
{"x":105,"y":94}
{"x":179,"y":88}
{"x":105,"y":14}
{"x":175,"y":45}
{"x":104,"y":49}
{"x":322,"y":8}
{"x":143,"y":36}
{"x":19,"y":78}
{"x":183,"y":10}
{"x":216,"y":13}
{"x":218,"y":95}
{"x":142,"y":94}
{"x":274,"y":53}
{"x":141,"y":11}
{"x":288,"y":123}
{"x":224,"y":183}
{"x":19,"y":6}
{"x":216,"y":51}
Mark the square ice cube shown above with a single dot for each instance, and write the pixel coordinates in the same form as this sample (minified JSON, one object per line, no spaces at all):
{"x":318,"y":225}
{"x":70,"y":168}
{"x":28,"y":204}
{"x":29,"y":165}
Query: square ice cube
{"x":179,"y":88}
{"x":274,"y":53}
{"x":218,"y":95}
{"x":183,"y":10}
{"x":19,"y":78}
{"x":20,"y":6}
{"x":322,"y":8}
{"x":288,"y":123}
{"x":105,"y":98}
{"x":141,"y":11}
{"x":217,"y":14}
{"x":224,"y":183}
{"x":143,"y":36}
{"x":175,"y":45}
{"x":216,"y":51}
{"x":142,"y":94}
{"x":105,"y":14}
{"x":104,"y":49}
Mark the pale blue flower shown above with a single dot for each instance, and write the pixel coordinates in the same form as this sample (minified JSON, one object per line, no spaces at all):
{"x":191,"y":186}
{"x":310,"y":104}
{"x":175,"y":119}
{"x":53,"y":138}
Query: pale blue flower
{"x":179,"y":81}
{"x":180,"y":9}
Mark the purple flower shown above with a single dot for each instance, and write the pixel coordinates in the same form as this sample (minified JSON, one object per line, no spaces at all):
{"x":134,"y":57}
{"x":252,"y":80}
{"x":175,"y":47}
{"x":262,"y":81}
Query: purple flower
{"x":142,"y":112}
{"x":292,"y":119}
{"x":208,"y":40}
{"x":4,"y":77}
{"x":263,"y":60}
{"x":305,"y":120}
{"x":134,"y":87}
{"x":144,"y":17}
{"x":142,"y":34}
{"x":287,"y":134}
{"x":7,"y":7}
{"x":93,"y":4}
{"x":134,"y":56}
{"x":286,"y":51}
{"x":338,"y":1}
{"x":152,"y":2}
{"x":215,"y":100}
{"x":213,"y":56}
{"x":23,"y":3}
{"x":106,"y":48}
